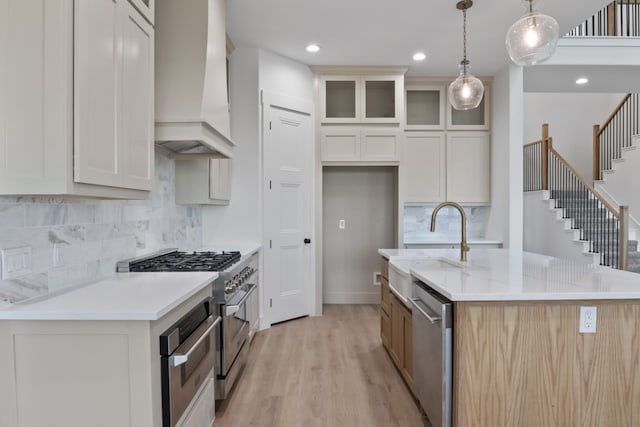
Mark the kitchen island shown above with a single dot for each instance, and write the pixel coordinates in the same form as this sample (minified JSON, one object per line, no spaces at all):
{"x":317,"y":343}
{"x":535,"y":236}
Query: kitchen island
{"x":90,"y":356}
{"x":518,"y":356}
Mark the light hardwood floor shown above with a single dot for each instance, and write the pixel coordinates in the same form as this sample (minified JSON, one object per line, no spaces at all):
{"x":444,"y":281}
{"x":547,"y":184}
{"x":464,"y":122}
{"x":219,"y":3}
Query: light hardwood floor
{"x":321,"y":371}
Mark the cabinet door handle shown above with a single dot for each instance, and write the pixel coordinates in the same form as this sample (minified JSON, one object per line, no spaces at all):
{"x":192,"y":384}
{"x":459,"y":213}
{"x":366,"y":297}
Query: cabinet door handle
{"x":307,"y":241}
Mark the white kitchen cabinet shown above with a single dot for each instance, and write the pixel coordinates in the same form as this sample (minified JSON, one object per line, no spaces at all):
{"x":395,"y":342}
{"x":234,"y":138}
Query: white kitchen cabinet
{"x":361,"y":98}
{"x":469,"y":167}
{"x":203,"y":181}
{"x":146,"y":8}
{"x":475,"y":119}
{"x":425,"y":107}
{"x":62,"y":110}
{"x":357,"y":145}
{"x":113,"y":95}
{"x":423,"y":167}
{"x":439,"y":166}
{"x":79,"y":373}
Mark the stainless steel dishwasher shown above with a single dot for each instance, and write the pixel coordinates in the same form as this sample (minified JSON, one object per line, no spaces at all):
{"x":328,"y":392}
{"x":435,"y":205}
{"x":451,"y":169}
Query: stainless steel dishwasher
{"x":432,"y":353}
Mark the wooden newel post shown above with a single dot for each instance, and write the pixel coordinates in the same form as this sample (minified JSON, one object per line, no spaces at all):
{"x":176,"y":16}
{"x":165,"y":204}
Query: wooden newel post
{"x":611,"y":19}
{"x":544,"y":163}
{"x":623,"y":239}
{"x":596,"y":152}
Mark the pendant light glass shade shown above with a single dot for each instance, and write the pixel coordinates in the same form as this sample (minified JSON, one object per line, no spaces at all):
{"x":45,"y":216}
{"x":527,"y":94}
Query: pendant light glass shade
{"x":532,"y":39}
{"x":465,"y":92}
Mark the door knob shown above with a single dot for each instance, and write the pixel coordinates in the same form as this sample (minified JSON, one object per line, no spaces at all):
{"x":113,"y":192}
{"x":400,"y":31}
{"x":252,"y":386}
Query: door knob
{"x":307,"y":241}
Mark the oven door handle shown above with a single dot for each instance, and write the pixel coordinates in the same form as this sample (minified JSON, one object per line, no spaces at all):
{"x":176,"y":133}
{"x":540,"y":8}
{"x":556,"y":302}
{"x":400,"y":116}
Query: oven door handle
{"x":178,"y":359}
{"x":230,"y":309}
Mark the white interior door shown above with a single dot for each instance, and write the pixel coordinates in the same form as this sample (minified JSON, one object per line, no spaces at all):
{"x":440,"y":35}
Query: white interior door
{"x":288,"y":259}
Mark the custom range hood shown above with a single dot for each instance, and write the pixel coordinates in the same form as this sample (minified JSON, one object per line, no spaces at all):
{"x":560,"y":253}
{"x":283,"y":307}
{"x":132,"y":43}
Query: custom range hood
{"x":191,"y":98}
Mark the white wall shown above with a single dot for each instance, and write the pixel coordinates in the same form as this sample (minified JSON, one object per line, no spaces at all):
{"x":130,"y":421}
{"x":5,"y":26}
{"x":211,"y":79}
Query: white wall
{"x":546,"y":234}
{"x":571,"y":117}
{"x":505,"y":219}
{"x":285,"y":76}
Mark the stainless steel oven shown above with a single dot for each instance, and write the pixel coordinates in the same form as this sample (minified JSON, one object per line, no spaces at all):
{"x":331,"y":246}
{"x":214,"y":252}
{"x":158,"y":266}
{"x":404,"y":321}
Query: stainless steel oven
{"x":234,"y":332}
{"x":187,"y":351}
{"x":233,"y":291}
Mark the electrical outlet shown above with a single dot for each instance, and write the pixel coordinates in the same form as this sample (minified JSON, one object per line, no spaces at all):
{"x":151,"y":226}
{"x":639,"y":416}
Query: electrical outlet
{"x":376,"y":278}
{"x":15,"y":262}
{"x":342,"y":224}
{"x":588,"y":317}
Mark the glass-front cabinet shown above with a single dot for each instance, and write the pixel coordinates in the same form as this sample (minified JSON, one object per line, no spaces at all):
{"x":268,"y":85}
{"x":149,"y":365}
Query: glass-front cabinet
{"x":476,"y":119}
{"x":424,"y":107}
{"x":361,"y":99}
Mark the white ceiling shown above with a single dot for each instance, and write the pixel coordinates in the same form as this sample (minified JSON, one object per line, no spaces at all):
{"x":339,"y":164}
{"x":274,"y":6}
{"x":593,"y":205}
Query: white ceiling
{"x":383,"y":32}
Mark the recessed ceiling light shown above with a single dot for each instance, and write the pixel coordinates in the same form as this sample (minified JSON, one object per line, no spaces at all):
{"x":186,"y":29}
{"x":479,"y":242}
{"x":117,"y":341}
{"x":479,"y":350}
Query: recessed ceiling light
{"x":419,"y":56}
{"x":313,"y":48}
{"x":582,"y":81}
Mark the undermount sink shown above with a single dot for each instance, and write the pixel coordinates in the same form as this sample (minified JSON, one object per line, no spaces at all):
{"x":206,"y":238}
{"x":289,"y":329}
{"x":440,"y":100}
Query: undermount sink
{"x":452,"y":262}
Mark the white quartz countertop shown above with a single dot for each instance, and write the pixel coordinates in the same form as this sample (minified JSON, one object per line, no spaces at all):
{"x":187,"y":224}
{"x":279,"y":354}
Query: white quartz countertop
{"x":452,"y":241}
{"x":511,"y":275}
{"x":124,"y":296}
{"x":398,"y":254}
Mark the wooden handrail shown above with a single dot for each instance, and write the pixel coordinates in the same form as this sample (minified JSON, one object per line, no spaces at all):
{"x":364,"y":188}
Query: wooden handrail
{"x":584,"y":182}
{"x":531,"y":143}
{"x":612,"y":115}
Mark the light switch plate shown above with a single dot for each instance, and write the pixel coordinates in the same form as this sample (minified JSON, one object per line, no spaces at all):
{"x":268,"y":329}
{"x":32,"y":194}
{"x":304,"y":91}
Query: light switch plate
{"x":15,"y":262}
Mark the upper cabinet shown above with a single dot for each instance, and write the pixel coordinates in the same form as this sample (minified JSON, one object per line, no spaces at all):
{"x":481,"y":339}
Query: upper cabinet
{"x":359,"y":97}
{"x":446,"y":152}
{"x":475,"y":119}
{"x":192,"y":105}
{"x":76,"y":99}
{"x":113,"y":95}
{"x":203,"y":181}
{"x":427,"y":108}
{"x":424,"y":107}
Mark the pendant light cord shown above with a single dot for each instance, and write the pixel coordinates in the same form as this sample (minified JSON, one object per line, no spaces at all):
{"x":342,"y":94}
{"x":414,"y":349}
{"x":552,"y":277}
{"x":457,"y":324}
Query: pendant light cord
{"x":464,"y":39}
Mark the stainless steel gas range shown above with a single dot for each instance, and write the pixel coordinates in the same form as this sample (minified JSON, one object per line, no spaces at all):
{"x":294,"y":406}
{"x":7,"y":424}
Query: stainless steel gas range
{"x":237,"y":281}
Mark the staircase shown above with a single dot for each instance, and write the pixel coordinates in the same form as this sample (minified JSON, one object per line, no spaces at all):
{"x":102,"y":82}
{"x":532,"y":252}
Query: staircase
{"x":602,"y":229}
{"x":595,"y":226}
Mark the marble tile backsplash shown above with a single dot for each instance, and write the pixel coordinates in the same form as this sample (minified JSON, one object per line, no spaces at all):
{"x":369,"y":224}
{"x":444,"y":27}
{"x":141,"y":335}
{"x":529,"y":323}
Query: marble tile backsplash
{"x":90,"y":236}
{"x":417,"y":220}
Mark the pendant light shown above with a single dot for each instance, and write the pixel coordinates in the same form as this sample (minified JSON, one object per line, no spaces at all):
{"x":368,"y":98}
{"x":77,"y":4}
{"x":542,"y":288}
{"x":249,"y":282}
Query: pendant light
{"x":532,"y":39}
{"x":465,"y":92}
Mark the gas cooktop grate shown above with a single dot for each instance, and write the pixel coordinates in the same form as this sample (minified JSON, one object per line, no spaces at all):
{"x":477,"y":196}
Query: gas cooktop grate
{"x":187,"y":261}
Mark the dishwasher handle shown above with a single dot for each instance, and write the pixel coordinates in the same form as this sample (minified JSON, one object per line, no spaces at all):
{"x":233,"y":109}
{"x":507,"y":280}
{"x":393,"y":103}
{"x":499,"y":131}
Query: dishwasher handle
{"x":432,"y":319}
